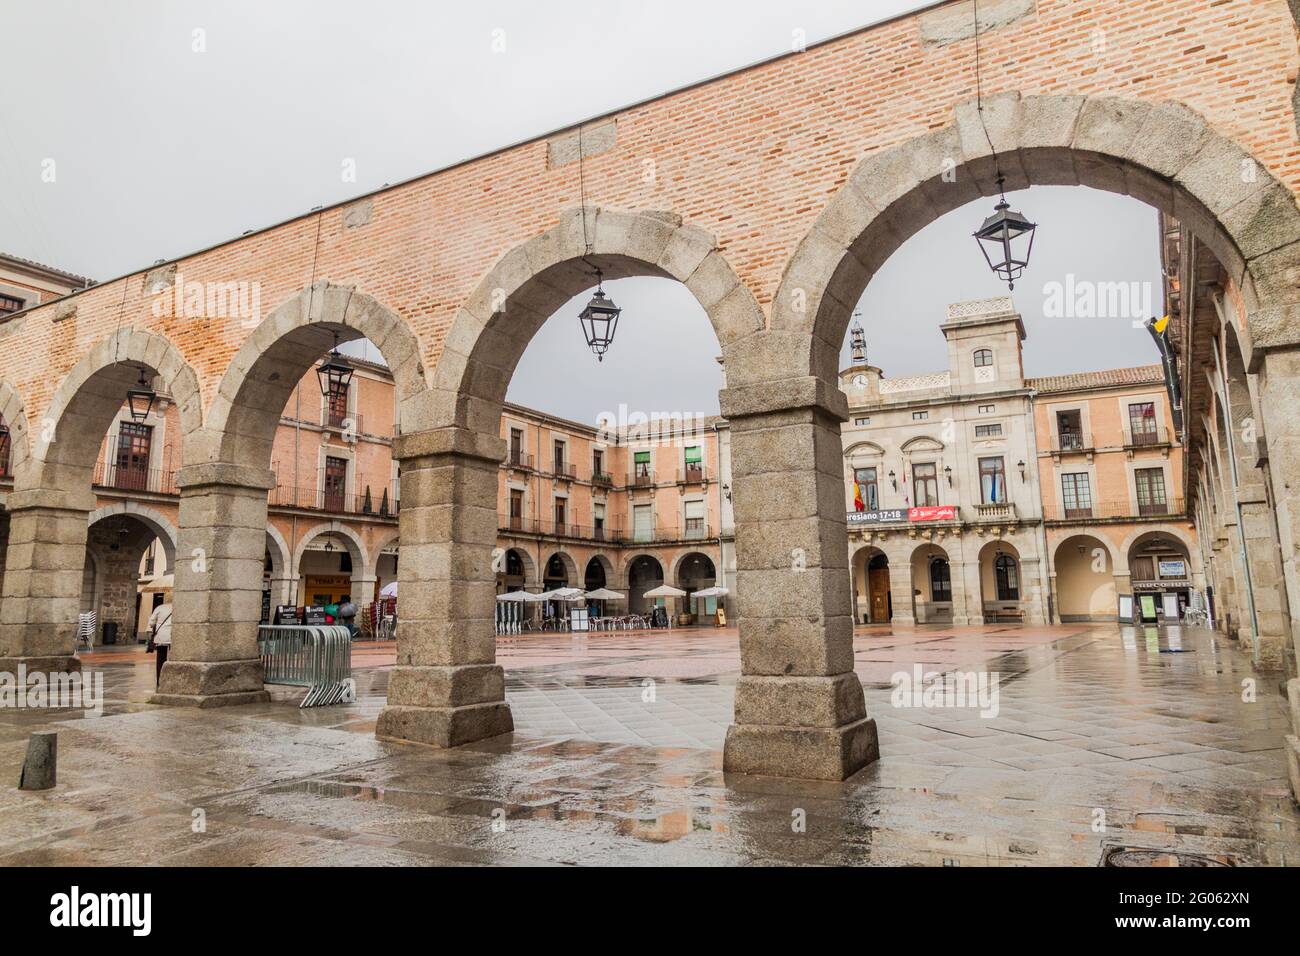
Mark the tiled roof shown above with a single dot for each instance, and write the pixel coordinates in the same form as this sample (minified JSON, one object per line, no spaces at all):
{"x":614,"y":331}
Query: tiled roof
{"x":81,"y":281}
{"x":1108,"y":378}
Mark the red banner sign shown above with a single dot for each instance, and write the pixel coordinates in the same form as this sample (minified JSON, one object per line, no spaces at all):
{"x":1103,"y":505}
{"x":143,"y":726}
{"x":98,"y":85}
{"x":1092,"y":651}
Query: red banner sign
{"x":936,"y":513}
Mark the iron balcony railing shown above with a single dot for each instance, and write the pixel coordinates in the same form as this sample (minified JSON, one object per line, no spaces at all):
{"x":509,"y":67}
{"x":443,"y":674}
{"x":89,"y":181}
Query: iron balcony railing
{"x":519,"y":459}
{"x":158,"y":481}
{"x":691,"y":530}
{"x":1168,"y":508}
{"x":691,"y":475}
{"x":564,"y":470}
{"x":380,"y":503}
{"x":602,"y":478}
{"x":641,"y":479}
{"x":344,"y":424}
{"x":1142,"y":437}
{"x":549,"y":527}
{"x":1072,"y":441}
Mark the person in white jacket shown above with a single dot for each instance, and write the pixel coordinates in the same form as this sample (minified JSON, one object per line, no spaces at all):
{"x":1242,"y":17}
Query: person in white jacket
{"x":160,"y":636}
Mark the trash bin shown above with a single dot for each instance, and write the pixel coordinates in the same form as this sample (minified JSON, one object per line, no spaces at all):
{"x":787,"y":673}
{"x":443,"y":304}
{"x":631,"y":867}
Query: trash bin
{"x":110,"y":632}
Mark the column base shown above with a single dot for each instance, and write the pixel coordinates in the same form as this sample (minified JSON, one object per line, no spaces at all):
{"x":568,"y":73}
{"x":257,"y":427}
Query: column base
{"x":445,"y":726}
{"x":53,"y":664}
{"x":806,"y":753}
{"x":1270,"y":652}
{"x":211,"y":684}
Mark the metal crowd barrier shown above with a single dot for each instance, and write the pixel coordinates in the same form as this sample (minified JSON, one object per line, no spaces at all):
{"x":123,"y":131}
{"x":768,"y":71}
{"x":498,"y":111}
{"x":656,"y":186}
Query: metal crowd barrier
{"x":317,"y":657}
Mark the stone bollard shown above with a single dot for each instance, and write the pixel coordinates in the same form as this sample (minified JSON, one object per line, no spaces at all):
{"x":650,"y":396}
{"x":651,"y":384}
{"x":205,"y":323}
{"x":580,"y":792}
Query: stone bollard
{"x":40,"y":767}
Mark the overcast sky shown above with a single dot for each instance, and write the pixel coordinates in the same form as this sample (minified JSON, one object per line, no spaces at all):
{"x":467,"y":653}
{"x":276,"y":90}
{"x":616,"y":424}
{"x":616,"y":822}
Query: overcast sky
{"x":159,"y":149}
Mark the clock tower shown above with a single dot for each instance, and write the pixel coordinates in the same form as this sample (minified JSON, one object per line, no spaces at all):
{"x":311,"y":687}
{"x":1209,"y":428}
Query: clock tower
{"x":861,"y":379}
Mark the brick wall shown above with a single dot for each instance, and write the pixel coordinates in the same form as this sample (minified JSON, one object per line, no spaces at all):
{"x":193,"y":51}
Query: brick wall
{"x":751,"y":157}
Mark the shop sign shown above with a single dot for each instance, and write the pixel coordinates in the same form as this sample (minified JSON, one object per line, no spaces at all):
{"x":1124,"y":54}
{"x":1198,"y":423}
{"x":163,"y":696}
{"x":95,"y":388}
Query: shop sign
{"x":1173,"y":568}
{"x":876,"y":517}
{"x":935,"y":513}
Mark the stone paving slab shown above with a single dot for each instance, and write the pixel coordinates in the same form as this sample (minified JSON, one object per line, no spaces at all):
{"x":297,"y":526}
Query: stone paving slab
{"x":1088,"y":719}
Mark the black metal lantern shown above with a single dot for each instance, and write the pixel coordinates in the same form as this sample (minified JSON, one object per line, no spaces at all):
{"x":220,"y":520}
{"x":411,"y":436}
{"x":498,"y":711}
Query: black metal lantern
{"x":140,"y":399}
{"x":1006,"y":239}
{"x":599,"y":320}
{"x":334,"y":372}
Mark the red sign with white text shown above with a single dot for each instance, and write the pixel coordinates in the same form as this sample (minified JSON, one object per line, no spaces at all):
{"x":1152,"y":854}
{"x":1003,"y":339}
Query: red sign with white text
{"x":936,"y":513}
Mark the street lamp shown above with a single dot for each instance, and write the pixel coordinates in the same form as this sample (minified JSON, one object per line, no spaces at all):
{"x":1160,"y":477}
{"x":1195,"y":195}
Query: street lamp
{"x":599,"y":320}
{"x":334,"y":372}
{"x":947,"y":470}
{"x":140,"y":399}
{"x":1002,"y":239}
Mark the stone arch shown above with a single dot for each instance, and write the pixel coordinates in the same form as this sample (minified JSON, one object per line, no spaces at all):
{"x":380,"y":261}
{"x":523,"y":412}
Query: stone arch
{"x":606,"y":565}
{"x":14,"y":417}
{"x":531,"y":576}
{"x":90,"y":396}
{"x":1164,"y":154}
{"x":530,"y":282}
{"x":1084,"y":593}
{"x":289,"y":341}
{"x":1140,"y":535}
{"x":280,"y":553}
{"x":155,"y":521}
{"x":675,"y":574}
{"x":356,"y":547}
{"x":631,"y":559}
{"x":570,"y":567}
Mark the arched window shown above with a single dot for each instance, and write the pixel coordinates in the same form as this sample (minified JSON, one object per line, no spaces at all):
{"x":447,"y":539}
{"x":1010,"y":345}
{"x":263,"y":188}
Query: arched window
{"x":940,"y":580}
{"x":983,"y":357}
{"x":1007,"y":576}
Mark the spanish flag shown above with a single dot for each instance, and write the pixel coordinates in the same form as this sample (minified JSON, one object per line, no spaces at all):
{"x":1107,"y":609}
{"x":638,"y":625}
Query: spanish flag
{"x":858,"y":503}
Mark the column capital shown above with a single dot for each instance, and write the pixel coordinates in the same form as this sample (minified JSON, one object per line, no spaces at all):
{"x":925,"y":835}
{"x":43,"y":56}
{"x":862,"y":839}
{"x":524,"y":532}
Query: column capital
{"x":50,"y":499}
{"x":784,"y":395}
{"x":226,"y":474}
{"x":453,"y":440}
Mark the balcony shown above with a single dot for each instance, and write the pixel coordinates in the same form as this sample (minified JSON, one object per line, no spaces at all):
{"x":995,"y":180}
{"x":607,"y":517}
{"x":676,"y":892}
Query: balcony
{"x":995,"y":511}
{"x":547,"y":527}
{"x":350,"y":424}
{"x":368,"y":503}
{"x":692,"y":475}
{"x":519,"y":459}
{"x":157,"y":481}
{"x":1072,"y":443}
{"x":564,"y":472}
{"x":602,"y":480}
{"x":641,"y":479}
{"x":1118,"y":510}
{"x":1146,"y":438}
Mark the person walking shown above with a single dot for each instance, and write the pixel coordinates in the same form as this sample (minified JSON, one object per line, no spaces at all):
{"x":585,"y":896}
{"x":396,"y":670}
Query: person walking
{"x":160,"y":637}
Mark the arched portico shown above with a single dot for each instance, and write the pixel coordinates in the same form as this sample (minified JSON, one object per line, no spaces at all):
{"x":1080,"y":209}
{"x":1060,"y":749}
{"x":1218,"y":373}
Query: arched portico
{"x":52,"y":498}
{"x":788,"y":659}
{"x":223,"y":486}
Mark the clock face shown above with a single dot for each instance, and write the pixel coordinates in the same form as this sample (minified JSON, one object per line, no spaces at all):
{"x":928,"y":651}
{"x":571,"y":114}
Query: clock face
{"x":860,"y":381}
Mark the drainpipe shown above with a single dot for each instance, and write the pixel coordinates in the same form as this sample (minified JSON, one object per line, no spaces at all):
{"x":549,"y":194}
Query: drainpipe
{"x":1220,"y":365}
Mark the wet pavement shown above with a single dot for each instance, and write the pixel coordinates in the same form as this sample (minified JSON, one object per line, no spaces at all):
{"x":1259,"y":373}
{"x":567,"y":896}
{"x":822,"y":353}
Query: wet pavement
{"x":1104,"y":739}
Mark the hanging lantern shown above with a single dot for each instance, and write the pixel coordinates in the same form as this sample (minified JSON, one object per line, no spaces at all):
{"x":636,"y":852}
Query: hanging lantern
{"x":334,"y":372}
{"x":140,"y":399}
{"x":599,"y":320}
{"x":1006,"y":239}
